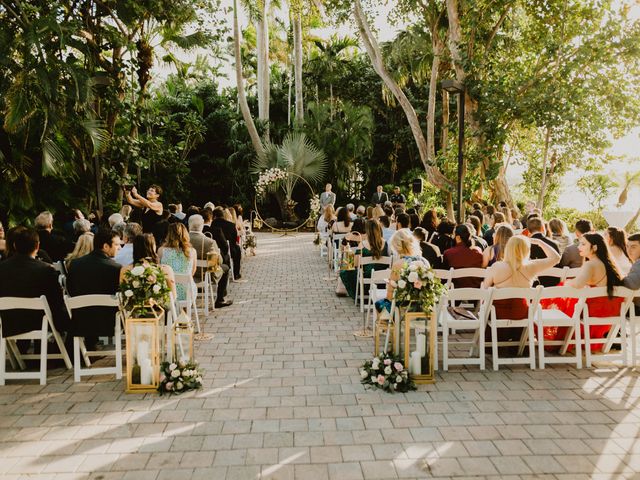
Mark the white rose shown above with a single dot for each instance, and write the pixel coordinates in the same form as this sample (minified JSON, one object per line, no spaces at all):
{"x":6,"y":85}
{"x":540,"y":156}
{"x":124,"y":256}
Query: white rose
{"x":128,"y":293}
{"x":137,"y":271}
{"x":173,"y":366}
{"x":136,"y":284}
{"x":175,"y":373}
{"x":430,"y":275}
{"x":373,"y":378}
{"x":179,"y":386}
{"x":398,"y":379}
{"x":363,"y":374}
{"x":156,"y":288}
{"x":199,"y":379}
{"x":402,"y":284}
{"x":395,"y":385}
{"x":388,"y":370}
{"x":413,"y":277}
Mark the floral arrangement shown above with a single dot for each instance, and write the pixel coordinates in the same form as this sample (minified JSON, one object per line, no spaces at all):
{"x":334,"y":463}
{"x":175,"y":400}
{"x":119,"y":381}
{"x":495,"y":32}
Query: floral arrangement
{"x":418,"y":285}
{"x":269,"y":177}
{"x":143,"y":286}
{"x":179,"y":377}
{"x":386,"y":372}
{"x":314,"y":207}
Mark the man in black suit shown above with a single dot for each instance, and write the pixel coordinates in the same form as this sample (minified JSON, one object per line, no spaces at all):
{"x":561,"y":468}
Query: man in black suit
{"x":96,"y":273}
{"x":536,"y":227}
{"x":379,"y":197}
{"x":56,"y":246}
{"x":230,"y":233}
{"x":21,"y":275}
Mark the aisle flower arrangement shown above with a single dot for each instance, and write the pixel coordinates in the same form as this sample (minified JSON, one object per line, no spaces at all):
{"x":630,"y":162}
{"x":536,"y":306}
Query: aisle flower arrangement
{"x":177,"y":378}
{"x":267,"y":178}
{"x":386,"y":372}
{"x":418,"y":285}
{"x":143,"y":286}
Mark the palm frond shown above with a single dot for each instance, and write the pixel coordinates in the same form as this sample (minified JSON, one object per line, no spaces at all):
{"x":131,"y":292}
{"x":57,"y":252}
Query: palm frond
{"x":303,"y":158}
{"x":53,"y":158}
{"x":97,"y":133}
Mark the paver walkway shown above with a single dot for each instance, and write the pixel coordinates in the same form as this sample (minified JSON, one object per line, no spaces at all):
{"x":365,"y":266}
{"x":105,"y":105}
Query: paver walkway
{"x":282,"y":399}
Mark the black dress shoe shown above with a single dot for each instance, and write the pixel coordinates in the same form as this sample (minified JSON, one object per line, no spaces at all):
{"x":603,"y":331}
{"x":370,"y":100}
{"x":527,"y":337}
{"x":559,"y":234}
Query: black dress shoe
{"x":226,"y":303}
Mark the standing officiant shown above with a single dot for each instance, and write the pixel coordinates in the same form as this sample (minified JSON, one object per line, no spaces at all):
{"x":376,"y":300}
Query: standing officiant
{"x":327,"y":197}
{"x":379,"y":197}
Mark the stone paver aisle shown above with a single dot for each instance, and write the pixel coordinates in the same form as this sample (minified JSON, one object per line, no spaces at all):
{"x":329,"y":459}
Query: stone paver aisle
{"x":282,"y":399}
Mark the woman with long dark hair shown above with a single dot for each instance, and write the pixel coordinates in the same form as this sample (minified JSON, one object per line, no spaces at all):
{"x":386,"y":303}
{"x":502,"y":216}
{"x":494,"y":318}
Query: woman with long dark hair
{"x":343,"y":222}
{"x":430,"y":222}
{"x":616,"y":239}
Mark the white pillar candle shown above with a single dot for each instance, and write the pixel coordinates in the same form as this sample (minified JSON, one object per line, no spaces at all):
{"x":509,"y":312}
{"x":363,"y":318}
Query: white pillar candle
{"x":415,"y":363}
{"x":145,"y":372}
{"x":421,"y":343}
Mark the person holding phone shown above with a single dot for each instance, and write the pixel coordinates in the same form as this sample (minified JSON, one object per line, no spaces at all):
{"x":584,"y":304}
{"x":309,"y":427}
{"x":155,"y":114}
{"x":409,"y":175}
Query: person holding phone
{"x":152,"y":207}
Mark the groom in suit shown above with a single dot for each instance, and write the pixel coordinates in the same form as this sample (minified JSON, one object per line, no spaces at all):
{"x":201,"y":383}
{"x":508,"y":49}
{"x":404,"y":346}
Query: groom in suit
{"x":327,"y":197}
{"x":379,"y":197}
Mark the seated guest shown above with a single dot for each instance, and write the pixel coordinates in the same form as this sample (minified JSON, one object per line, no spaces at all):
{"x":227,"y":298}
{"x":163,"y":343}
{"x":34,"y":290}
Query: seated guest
{"x":387,"y":231}
{"x":343,"y":222}
{"x":515,"y":214}
{"x":350,"y":208}
{"x":496,"y":219}
{"x":84,"y":246}
{"x":495,"y":252}
{"x":632,"y":280}
{"x":361,"y":211}
{"x":356,"y":235}
{"x":203,"y":244}
{"x":414,"y":221}
{"x":81,"y":226}
{"x":443,"y":238}
{"x":178,"y":253}
{"x":403,"y":221}
{"x":616,"y":239}
{"x":145,"y":254}
{"x":559,"y":233}
{"x":464,"y":255}
{"x":325,"y":221}
{"x":476,"y":228}
{"x":125,"y":211}
{"x":478,"y":213}
{"x":429,"y":251}
{"x":10,"y":249}
{"x":571,"y":256}
{"x":161,"y":228}
{"x":535,"y":226}
{"x":230,"y":234}
{"x":118,"y":229}
{"x":518,"y":270}
{"x":95,"y":273}
{"x":124,"y":256}
{"x":55,"y":245}
{"x":372,"y":245}
{"x":508,"y":217}
{"x":114,"y":219}
{"x":378,"y":212}
{"x":21,"y":275}
{"x":430,"y":222}
{"x":407,"y":249}
{"x":3,"y":242}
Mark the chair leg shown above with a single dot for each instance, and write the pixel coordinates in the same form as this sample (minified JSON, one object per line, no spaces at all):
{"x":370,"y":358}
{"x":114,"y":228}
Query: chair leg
{"x":63,"y":350}
{"x":44,"y":343}
{"x":532,"y":352}
{"x":623,"y":342}
{"x":118,"y":342}
{"x":481,"y":346}
{"x":578,"y":345}
{"x":587,"y":344}
{"x":76,"y":359}
{"x":3,"y":359}
{"x":611,"y":336}
{"x":445,"y":346}
{"x":195,"y":311}
{"x":13,"y":350}
{"x":83,"y":351}
{"x":540,"y":345}
{"x":494,"y":343}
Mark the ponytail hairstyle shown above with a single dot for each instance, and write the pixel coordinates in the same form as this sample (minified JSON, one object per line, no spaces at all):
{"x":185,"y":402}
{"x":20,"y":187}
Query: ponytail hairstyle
{"x":464,"y":233}
{"x":601,"y":251}
{"x":618,"y":239}
{"x":405,"y":244}
{"x":374,"y":238}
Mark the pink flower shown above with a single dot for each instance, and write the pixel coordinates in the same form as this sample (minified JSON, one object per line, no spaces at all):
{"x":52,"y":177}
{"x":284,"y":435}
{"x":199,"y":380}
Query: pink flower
{"x":398,"y":366}
{"x":387,"y":361}
{"x":169,"y":386}
{"x":380,"y":379}
{"x":152,"y":278}
{"x":417,"y":284}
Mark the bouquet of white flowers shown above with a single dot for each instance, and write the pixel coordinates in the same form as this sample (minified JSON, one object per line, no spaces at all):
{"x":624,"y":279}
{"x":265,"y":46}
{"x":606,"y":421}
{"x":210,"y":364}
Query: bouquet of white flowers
{"x":418,"y":285}
{"x":386,"y":372}
{"x":143,"y":286}
{"x":179,"y":377}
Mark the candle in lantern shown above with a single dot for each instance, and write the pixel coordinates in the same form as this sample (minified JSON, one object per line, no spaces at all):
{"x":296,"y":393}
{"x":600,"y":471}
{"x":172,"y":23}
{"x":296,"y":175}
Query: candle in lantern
{"x":415,"y":366}
{"x":144,"y":361}
{"x":421,"y":343}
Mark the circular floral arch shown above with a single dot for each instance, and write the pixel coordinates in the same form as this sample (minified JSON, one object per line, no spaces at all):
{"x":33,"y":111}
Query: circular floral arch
{"x":269,"y":177}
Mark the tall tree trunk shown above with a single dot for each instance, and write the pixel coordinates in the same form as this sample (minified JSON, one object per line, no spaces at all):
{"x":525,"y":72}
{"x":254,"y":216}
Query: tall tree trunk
{"x":289,"y":75}
{"x":242,"y":97}
{"x":438,"y":49}
{"x":373,"y":50}
{"x":449,"y":199}
{"x":444,"y":142}
{"x":630,"y":227}
{"x":297,"y":56}
{"x":264,"y":76}
{"x":545,"y":159}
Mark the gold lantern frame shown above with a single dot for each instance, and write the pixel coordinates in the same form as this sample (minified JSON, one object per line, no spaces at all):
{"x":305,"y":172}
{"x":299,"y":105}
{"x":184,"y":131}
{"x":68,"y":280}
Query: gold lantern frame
{"x":428,"y":323}
{"x":153,"y":327}
{"x":181,"y":329}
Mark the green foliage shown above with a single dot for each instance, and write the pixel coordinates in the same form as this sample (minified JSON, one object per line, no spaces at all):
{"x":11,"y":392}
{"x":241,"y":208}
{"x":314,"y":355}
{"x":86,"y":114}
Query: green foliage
{"x":597,"y":187}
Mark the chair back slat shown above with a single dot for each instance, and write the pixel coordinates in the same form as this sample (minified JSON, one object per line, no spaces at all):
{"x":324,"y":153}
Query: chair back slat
{"x":84,"y":301}
{"x":19,"y":303}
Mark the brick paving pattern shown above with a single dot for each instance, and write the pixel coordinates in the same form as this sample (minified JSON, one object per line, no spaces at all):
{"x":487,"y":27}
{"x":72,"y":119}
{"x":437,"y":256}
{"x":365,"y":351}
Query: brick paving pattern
{"x":282,"y":399}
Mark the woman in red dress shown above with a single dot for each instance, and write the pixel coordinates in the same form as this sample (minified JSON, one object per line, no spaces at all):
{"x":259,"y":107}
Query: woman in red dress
{"x":599,"y":270}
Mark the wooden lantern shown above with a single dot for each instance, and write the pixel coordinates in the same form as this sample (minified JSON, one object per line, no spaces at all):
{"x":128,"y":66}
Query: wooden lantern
{"x":144,"y":343}
{"x":419,"y":333}
{"x":183,"y":342}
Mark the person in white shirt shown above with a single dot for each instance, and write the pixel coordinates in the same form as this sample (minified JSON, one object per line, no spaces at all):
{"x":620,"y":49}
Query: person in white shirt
{"x":124,"y":256}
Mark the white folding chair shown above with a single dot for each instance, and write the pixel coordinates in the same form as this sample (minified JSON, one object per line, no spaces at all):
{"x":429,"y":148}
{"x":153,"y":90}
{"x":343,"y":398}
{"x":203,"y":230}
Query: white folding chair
{"x":336,"y":242}
{"x":556,"y":318}
{"x":361,"y":280}
{"x":443,"y":275}
{"x":205,"y":286}
{"x":378,"y":277}
{"x":617,"y":322}
{"x":530,"y":295}
{"x":556,"y":272}
{"x":189,"y":304}
{"x":8,"y":344}
{"x":448,"y":321}
{"x":571,"y":273}
{"x":456,"y":273}
{"x":633,"y":331}
{"x":79,"y":348}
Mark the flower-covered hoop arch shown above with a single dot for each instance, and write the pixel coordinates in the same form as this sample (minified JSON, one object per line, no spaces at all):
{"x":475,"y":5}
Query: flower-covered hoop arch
{"x":267,"y":178}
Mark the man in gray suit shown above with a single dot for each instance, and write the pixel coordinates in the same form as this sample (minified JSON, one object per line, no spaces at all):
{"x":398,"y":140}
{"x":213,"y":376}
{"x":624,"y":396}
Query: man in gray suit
{"x":379,"y":197}
{"x":632,"y":280}
{"x":327,"y":197}
{"x":571,"y":256}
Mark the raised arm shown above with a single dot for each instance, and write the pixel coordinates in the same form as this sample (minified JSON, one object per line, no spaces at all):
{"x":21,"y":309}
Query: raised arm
{"x":144,"y":202}
{"x":542,"y":264}
{"x":133,"y":201}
